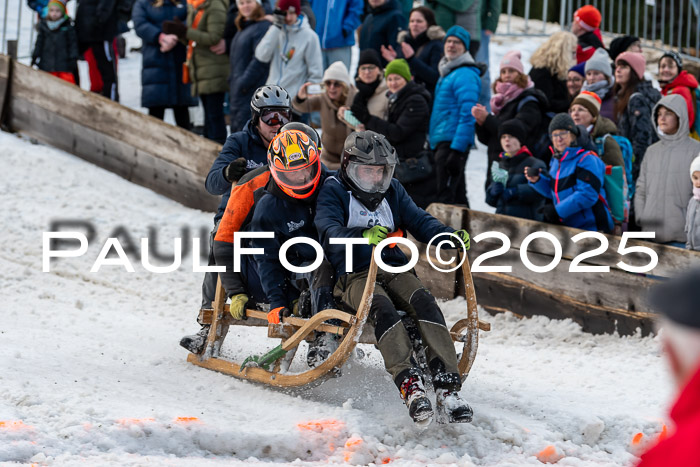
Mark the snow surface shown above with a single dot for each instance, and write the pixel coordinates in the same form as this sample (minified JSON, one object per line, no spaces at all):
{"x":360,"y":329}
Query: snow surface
{"x":92,"y":373}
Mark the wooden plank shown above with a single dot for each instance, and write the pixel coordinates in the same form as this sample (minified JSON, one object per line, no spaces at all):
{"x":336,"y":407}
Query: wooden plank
{"x":5,"y":75}
{"x":615,"y":289}
{"x":671,"y":260}
{"x":55,"y":96}
{"x":499,"y":292}
{"x":141,"y":167}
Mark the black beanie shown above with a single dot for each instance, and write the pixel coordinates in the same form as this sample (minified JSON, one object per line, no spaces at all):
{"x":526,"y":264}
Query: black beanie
{"x":679,"y":299}
{"x":514,"y":128}
{"x":369,"y":57}
{"x":563,"y":121}
{"x":621,"y":44}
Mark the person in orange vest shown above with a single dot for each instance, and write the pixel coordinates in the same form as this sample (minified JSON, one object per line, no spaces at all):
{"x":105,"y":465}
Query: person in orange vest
{"x":678,"y":301}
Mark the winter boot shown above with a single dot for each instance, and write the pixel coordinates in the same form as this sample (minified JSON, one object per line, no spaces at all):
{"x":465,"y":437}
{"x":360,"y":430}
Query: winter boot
{"x":195,"y":342}
{"x":413,"y":394}
{"x":321,"y":348}
{"x":451,"y":408}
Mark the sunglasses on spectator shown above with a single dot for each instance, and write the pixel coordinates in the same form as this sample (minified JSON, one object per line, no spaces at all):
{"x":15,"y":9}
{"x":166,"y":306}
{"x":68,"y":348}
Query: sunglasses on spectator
{"x":276,"y":117}
{"x":333,"y":84}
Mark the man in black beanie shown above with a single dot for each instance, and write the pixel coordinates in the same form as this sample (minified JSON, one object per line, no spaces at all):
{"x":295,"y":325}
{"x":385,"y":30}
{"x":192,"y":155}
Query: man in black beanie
{"x":678,"y":302}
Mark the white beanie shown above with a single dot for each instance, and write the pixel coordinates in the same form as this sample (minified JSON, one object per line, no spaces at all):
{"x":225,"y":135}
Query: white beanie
{"x":337,"y":71}
{"x":600,"y":61}
{"x":695,"y":166}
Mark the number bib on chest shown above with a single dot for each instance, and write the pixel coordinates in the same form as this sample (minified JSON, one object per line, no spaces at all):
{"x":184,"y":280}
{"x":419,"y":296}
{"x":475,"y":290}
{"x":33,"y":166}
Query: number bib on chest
{"x":360,"y":216}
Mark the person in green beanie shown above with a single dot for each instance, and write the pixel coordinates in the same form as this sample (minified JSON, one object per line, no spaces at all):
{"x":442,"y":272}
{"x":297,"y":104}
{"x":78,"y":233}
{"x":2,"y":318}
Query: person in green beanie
{"x":406,"y":125}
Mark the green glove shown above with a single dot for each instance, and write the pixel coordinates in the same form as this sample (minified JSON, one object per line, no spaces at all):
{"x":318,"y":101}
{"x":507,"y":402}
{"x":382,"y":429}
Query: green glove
{"x":376,"y":234}
{"x":464,"y":236}
{"x":498,"y":175}
{"x":237,"y":307}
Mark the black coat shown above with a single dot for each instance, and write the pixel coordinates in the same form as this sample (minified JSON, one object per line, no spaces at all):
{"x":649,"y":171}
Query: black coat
{"x":428,"y":52}
{"x":406,"y":129}
{"x":552,"y":87}
{"x":161,"y":73}
{"x":96,"y":21}
{"x":407,"y":123}
{"x":524,"y":202}
{"x":247,"y":73}
{"x":56,"y":50}
{"x":531,"y":113}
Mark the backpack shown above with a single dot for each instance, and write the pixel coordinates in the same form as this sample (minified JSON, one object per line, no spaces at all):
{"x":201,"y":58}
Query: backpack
{"x":627,"y":157}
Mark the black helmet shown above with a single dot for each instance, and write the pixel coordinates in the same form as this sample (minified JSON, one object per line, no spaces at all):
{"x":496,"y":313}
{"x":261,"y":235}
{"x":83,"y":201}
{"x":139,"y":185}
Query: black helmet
{"x":304,"y":128}
{"x":271,"y":97}
{"x":363,"y":149}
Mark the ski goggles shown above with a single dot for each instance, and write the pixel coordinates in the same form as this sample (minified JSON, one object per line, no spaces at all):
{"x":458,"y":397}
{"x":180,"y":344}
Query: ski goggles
{"x":274,"y":117}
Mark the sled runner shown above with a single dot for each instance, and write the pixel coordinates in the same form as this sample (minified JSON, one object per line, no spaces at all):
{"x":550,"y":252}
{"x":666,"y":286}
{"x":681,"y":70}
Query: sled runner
{"x":293,"y":330}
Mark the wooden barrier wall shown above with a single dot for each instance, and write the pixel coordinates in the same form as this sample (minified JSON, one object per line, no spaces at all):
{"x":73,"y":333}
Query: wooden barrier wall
{"x":139,"y":148}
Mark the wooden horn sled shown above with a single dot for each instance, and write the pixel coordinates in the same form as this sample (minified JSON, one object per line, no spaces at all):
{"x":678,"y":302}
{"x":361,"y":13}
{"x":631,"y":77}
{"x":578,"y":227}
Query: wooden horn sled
{"x":353,"y":329}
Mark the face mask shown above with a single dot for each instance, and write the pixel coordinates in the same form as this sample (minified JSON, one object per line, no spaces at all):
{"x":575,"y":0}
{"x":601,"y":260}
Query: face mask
{"x":696,"y":193}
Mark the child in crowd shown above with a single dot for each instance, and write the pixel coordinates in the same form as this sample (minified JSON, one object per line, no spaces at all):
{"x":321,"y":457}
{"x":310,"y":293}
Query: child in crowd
{"x":509,"y":191}
{"x":692,"y":220}
{"x":56,"y":49}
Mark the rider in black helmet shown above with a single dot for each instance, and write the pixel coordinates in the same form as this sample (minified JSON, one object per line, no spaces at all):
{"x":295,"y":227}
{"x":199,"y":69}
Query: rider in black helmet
{"x":364,"y":201}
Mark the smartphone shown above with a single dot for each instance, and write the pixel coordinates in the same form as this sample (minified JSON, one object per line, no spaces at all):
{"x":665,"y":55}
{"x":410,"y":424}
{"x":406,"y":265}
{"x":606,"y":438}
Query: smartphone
{"x":314,"y":89}
{"x":533,"y":172}
{"x":351,"y":119}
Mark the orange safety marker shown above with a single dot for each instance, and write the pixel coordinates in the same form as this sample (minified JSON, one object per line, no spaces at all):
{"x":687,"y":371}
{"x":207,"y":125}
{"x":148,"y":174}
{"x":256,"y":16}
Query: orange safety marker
{"x":637,"y":439}
{"x":14,"y":425}
{"x":549,"y":455}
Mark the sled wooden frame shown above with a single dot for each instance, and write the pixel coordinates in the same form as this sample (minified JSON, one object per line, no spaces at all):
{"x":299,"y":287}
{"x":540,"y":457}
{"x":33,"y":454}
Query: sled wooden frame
{"x":293,"y":330}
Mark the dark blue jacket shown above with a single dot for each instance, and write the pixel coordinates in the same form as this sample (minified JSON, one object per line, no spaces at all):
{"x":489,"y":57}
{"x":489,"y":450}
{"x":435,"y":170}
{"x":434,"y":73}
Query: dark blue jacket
{"x":287,"y":219}
{"x":246,"y":143}
{"x":517,"y":198}
{"x":247,"y":74}
{"x":575,"y":186}
{"x":381,"y":27}
{"x":336,"y":21}
{"x":161,"y":73}
{"x":56,"y":50}
{"x":333,"y":214}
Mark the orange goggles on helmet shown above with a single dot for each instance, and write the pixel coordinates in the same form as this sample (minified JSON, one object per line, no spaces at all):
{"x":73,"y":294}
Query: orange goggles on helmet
{"x":294,"y":163}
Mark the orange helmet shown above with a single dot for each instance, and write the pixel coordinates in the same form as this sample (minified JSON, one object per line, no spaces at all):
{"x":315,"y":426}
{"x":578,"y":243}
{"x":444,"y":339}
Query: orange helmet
{"x":294,"y":163}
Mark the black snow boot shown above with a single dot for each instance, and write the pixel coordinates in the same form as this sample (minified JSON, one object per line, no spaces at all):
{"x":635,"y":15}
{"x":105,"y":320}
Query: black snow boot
{"x":321,"y":348}
{"x":419,"y":407}
{"x":195,"y":342}
{"x":451,"y":408}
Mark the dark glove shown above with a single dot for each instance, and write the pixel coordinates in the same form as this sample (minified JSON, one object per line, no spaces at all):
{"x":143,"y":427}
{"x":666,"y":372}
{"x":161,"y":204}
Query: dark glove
{"x":550,"y":215}
{"x":276,"y":315}
{"x":235,"y":170}
{"x":360,"y":111}
{"x":510,"y":193}
{"x":455,"y":161}
{"x":176,"y":27}
{"x":496,"y":189}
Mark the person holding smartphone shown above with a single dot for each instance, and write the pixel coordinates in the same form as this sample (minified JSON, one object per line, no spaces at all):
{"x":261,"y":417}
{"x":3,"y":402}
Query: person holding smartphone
{"x":336,"y":91}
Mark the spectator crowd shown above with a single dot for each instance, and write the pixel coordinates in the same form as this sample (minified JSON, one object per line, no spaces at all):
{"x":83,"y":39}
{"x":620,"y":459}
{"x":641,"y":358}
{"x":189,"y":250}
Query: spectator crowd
{"x":578,"y":137}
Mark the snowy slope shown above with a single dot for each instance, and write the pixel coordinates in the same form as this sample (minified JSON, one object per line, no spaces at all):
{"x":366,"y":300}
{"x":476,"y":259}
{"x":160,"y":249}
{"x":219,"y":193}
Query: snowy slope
{"x":92,"y":373}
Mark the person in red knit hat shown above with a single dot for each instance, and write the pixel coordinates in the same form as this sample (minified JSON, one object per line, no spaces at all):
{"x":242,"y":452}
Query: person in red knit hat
{"x":586,"y":26}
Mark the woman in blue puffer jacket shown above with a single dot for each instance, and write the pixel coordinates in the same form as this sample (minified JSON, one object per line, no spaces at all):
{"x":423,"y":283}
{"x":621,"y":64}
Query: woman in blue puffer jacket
{"x":574,"y":183}
{"x":161,"y":72}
